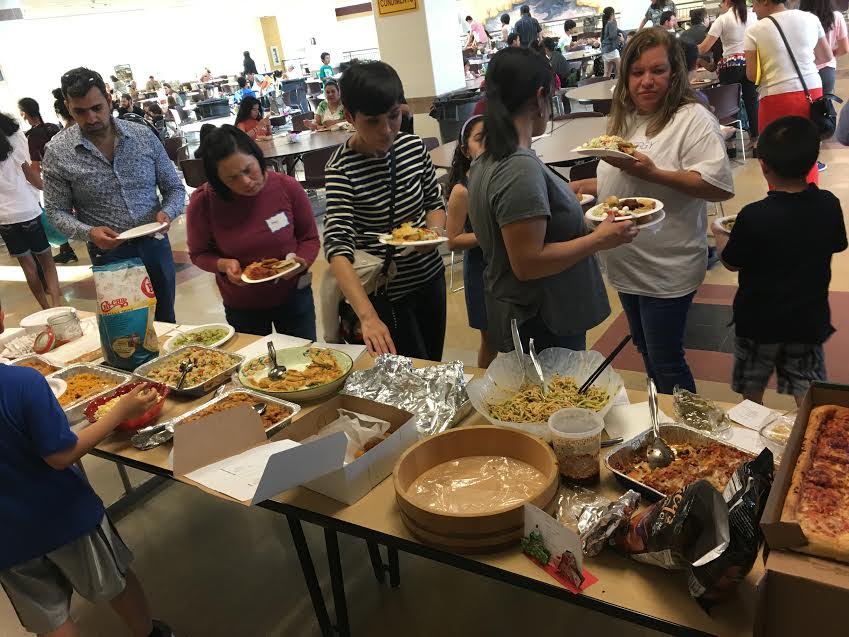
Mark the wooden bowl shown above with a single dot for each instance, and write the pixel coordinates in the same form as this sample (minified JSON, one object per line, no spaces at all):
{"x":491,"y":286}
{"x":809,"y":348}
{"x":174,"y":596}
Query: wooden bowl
{"x":473,"y":532}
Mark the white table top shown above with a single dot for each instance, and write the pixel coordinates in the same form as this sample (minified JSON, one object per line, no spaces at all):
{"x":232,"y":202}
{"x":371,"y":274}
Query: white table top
{"x":592,"y":92}
{"x":194,"y":127}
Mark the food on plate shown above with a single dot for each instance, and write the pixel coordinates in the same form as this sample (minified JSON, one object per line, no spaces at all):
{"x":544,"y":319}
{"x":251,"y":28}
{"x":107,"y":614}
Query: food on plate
{"x":626,"y":207}
{"x":713,"y":462}
{"x":40,"y":366}
{"x":323,"y":369}
{"x":406,"y":232}
{"x":206,"y":337}
{"x":531,"y":405}
{"x":476,"y":484}
{"x":266,"y":268}
{"x":83,"y":385}
{"x":109,"y":405}
{"x":818,"y":498}
{"x":272,"y":415}
{"x":728,"y":223}
{"x":207,"y":365}
{"x":609,"y":142}
{"x":371,"y":444}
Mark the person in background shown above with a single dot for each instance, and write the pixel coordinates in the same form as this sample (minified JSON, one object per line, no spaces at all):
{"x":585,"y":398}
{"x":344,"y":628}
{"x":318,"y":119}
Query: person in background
{"x":781,"y":93}
{"x":834,"y":26}
{"x":61,"y":109}
{"x":170,"y":92}
{"x":156,"y":119}
{"x":654,"y":12}
{"x":698,"y":29}
{"x":527,"y":27}
{"x":118,"y":86}
{"x":246,"y":213}
{"x":513,"y":41}
{"x":691,"y":61}
{"x":380,"y":179}
{"x":568,"y":42}
{"x":477,"y":33}
{"x":244,"y":90}
{"x":248,"y":64}
{"x":461,"y":236}
{"x":152,"y":84}
{"x":38,"y":135}
{"x":56,"y":537}
{"x":505,"y":30}
{"x":133,"y":90}
{"x":680,"y":160}
{"x":610,"y":42}
{"x":559,"y":64}
{"x":206,"y":76}
{"x":330,"y":111}
{"x":325,"y":72}
{"x":782,"y":248}
{"x":20,"y":226}
{"x":669,"y":22}
{"x":128,"y":106}
{"x":250,"y":119}
{"x":541,"y":266}
{"x":205,"y":130}
{"x":730,"y":30}
{"x":105,"y":176}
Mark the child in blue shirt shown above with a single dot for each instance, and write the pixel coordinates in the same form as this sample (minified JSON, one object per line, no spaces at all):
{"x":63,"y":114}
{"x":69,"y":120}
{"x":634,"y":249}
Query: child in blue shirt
{"x":55,"y":536}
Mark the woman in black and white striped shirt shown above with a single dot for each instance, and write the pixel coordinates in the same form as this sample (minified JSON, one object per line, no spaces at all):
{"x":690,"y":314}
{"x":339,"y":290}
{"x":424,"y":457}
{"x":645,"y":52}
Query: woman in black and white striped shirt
{"x":408,"y":317}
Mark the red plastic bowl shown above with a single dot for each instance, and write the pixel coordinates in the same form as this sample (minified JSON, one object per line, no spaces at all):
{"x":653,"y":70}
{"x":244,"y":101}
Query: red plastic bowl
{"x":136,"y":423}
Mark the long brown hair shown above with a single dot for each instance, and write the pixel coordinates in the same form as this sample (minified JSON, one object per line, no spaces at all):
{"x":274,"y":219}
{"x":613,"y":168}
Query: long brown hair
{"x":678,"y":94}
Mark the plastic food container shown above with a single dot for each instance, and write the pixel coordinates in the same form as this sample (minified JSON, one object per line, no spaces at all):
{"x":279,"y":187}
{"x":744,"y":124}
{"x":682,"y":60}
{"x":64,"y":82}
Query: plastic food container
{"x":134,"y":423}
{"x":576,"y":438}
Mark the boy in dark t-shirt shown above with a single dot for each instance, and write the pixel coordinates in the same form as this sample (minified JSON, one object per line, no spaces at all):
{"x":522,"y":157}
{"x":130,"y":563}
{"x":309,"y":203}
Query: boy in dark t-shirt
{"x":782,"y":247}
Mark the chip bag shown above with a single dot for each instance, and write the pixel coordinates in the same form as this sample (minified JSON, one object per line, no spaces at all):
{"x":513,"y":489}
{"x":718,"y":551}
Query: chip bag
{"x":126,"y":305}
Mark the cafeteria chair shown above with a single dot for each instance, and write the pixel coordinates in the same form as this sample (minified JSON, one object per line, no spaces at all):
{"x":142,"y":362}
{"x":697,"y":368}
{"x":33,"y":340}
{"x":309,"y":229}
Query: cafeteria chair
{"x":582,"y":114}
{"x":193,"y":172}
{"x":603,"y":107}
{"x":177,"y":149}
{"x":298,"y":125}
{"x":592,"y":80}
{"x":584,"y":170}
{"x":725,"y":101}
{"x":314,"y":164}
{"x":430,"y":143}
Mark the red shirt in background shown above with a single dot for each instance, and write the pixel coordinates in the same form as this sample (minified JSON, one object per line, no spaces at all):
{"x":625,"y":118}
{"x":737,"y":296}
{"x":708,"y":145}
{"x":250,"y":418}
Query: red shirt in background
{"x":276,"y":222}
{"x":253,"y":129}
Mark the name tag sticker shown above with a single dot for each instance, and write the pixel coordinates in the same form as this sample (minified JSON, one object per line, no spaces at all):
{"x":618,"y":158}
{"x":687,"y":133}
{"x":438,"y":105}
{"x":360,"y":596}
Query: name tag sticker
{"x":278,"y":221}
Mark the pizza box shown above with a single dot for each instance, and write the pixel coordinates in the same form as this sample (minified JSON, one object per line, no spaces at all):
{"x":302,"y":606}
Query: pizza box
{"x":351,"y":482}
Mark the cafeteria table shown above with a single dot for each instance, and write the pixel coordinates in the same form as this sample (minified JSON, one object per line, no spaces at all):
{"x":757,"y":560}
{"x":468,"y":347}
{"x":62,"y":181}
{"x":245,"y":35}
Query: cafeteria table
{"x":637,"y":593}
{"x":595,"y":92}
{"x":279,"y":146}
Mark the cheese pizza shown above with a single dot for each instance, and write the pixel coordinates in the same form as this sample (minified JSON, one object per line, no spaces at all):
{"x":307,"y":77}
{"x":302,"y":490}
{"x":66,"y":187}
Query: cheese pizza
{"x":818,"y":498}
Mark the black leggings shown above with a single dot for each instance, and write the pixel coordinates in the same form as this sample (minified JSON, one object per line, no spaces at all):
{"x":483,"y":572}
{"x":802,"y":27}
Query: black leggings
{"x":737,"y":75}
{"x":416,"y":321}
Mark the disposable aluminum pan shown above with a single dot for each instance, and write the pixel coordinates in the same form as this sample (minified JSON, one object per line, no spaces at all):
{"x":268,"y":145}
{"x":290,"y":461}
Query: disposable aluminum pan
{"x":35,"y":357}
{"x":260,"y":398}
{"x":193,"y":391}
{"x":621,"y":460}
{"x":76,"y":411}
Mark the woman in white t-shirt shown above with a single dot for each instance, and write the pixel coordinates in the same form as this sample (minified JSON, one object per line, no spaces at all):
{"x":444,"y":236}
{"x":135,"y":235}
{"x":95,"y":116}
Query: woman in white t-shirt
{"x":681,"y":161}
{"x":20,"y":226}
{"x":730,"y":29}
{"x":769,"y":65}
{"x":836,"y":33}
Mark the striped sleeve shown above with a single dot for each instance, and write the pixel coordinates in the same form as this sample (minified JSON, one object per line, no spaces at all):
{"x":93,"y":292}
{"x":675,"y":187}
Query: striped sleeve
{"x":339,"y":235}
{"x":430,"y":187}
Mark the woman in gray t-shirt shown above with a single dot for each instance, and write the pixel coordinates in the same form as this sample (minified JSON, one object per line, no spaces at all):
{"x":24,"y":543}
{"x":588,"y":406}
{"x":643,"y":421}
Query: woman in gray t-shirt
{"x":541,"y":268}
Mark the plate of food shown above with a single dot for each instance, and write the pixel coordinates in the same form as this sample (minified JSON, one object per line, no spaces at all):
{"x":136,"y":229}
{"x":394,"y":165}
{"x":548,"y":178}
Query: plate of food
{"x":607,"y":146}
{"x":505,"y":398}
{"x":276,"y":413}
{"x":210,"y":335}
{"x":266,"y":270}
{"x":407,"y":235}
{"x":725,"y":224}
{"x":99,"y":407}
{"x":311,"y":373}
{"x":625,"y":208}
{"x":209,"y":369}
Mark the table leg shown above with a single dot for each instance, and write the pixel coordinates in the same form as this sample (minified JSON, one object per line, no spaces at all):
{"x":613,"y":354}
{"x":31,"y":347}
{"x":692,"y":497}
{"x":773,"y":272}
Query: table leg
{"x":310,"y":577}
{"x":381,"y":568}
{"x":376,"y":561}
{"x":337,"y":580}
{"x":394,"y":567}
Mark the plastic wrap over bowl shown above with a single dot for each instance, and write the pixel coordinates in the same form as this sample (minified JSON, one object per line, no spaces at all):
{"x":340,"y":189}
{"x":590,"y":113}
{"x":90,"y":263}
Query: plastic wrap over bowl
{"x":505,"y":376}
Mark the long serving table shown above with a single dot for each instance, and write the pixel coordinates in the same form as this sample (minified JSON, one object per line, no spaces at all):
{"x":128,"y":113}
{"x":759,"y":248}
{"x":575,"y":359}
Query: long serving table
{"x":641,"y":594}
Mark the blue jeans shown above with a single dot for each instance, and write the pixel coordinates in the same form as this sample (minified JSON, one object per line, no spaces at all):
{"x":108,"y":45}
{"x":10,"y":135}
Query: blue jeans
{"x":657,"y":327}
{"x":159,"y":262}
{"x":544,"y":338}
{"x":294,"y":318}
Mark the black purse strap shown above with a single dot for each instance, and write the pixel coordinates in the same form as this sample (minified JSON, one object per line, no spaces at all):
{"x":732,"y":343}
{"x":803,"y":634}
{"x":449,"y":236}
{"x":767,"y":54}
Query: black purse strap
{"x":792,"y":58}
{"x":387,"y":255}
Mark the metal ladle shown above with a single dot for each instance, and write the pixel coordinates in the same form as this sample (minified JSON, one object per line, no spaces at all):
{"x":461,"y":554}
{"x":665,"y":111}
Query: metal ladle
{"x":658,"y":453}
{"x":275,"y":371}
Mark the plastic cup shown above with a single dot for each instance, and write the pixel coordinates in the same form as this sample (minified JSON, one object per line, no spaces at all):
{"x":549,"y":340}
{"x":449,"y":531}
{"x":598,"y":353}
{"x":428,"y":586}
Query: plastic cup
{"x":576,"y":438}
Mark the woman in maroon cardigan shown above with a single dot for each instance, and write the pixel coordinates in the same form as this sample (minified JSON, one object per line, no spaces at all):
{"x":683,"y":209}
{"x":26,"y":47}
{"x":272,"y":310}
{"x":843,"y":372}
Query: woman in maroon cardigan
{"x":245,"y":214}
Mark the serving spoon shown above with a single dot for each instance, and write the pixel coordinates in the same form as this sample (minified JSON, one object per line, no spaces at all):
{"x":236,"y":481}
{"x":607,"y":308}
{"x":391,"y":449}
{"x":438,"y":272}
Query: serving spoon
{"x":275,"y":370}
{"x":658,"y":452}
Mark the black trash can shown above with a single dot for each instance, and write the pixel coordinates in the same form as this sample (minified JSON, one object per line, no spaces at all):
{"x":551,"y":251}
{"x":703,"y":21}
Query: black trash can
{"x":451,"y":110}
{"x":209,"y":109}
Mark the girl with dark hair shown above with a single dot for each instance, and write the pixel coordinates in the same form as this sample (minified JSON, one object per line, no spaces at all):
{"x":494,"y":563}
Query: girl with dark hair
{"x":248,"y":64}
{"x":541,"y":267}
{"x":250,"y":119}
{"x":20,"y":226}
{"x":681,"y":161}
{"x":834,"y":26}
{"x":656,"y":9}
{"x":461,"y":236}
{"x":610,"y":42}
{"x":61,"y":109}
{"x":245,"y":214}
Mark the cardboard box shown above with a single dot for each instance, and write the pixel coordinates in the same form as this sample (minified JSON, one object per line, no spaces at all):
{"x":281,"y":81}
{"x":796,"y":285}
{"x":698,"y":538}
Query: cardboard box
{"x":800,"y":594}
{"x":351,"y":482}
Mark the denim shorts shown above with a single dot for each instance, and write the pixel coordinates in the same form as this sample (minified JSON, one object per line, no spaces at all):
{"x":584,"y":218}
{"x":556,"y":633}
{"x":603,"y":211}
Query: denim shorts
{"x":796,"y":365}
{"x":25,"y":238}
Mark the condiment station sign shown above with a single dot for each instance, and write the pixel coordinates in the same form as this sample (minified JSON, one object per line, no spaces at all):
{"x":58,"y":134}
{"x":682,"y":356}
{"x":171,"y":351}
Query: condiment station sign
{"x":391,"y":7}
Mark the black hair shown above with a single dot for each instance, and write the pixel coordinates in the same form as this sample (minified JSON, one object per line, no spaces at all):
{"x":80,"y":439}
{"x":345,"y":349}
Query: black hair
{"x":569,"y":24}
{"x":332,"y":83}
{"x":823,"y":9}
{"x":372,"y":88}
{"x":505,"y":18}
{"x":789,"y":146}
{"x":324,"y":55}
{"x":219,"y":144}
{"x":127,"y":96}
{"x":30,"y":107}
{"x":246,"y":54}
{"x":525,"y":10}
{"x":514,"y":76}
{"x":549,"y":44}
{"x":8,"y":126}
{"x":59,"y":105}
{"x":691,"y":54}
{"x":245,"y":108}
{"x":241,"y":81}
{"x":460,"y":163}
{"x":205,"y":130}
{"x":154,"y":108}
{"x":512,"y":38}
{"x":697,"y":16}
{"x":607,"y":14}
{"x":79,"y":81}
{"x":739,"y":7}
{"x":665,"y":16}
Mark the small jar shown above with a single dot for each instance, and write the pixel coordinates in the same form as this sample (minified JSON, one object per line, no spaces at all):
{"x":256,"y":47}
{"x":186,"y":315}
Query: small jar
{"x":65,"y":327}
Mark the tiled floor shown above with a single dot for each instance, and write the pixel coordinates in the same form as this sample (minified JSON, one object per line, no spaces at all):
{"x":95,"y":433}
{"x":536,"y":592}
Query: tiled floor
{"x":215,"y":569}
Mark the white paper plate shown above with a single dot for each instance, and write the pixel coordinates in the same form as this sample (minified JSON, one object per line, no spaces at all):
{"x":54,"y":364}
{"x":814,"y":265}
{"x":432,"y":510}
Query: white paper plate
{"x":593,"y":214}
{"x":57,"y":386}
{"x":386,"y":239}
{"x":602,"y":153}
{"x":142,"y":231}
{"x":282,"y":272}
{"x":717,"y":225}
{"x":170,"y":343}
{"x":586,"y":200}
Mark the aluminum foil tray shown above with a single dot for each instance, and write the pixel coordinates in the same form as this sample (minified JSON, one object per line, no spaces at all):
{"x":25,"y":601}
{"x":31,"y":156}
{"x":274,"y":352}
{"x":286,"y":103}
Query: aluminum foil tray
{"x":76,"y":411}
{"x":195,"y":391}
{"x":623,"y":458}
{"x":30,"y":357}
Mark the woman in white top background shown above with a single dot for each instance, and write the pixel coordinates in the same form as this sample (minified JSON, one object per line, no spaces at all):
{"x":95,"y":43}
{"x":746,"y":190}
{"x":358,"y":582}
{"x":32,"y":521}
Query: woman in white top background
{"x":730,"y":29}
{"x":768,"y":62}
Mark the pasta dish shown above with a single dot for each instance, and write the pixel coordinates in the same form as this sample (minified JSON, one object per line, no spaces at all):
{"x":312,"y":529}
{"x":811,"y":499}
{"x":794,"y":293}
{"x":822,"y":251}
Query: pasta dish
{"x":323,"y":368}
{"x":207,"y":365}
{"x":531,"y":405}
{"x":609,"y":142}
{"x":272,"y":415}
{"x":83,"y":385}
{"x":406,"y":232}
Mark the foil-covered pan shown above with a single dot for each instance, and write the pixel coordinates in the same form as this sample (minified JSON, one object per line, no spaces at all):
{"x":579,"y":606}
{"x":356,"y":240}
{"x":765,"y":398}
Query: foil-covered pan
{"x":76,"y":411}
{"x":200,"y":389}
{"x":622,"y":459}
{"x":35,"y":357}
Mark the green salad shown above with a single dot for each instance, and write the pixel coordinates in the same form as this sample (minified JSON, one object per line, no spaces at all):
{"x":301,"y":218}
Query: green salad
{"x":206,"y":337}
